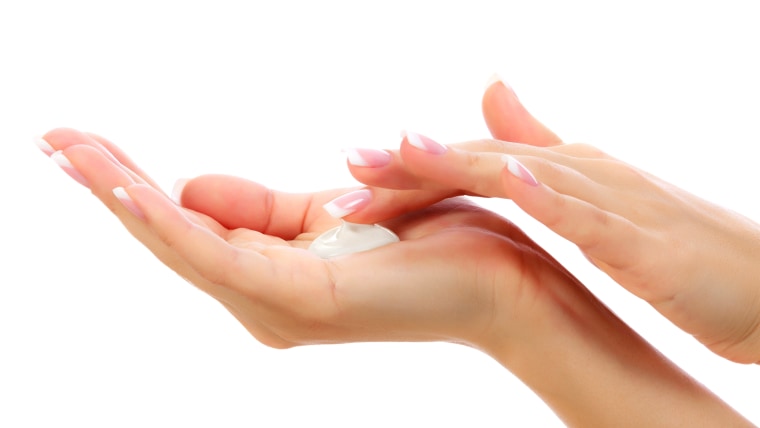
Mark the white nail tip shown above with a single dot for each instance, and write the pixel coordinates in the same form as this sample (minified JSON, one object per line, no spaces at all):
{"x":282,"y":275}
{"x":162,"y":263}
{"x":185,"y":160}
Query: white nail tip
{"x":179,"y":186}
{"x":61,"y":159}
{"x":120,"y":193}
{"x":44,"y":146}
{"x":347,"y":204}
{"x":339,"y":212}
{"x":495,"y":78}
{"x":519,"y":170}
{"x":355,"y":158}
{"x":415,"y":140}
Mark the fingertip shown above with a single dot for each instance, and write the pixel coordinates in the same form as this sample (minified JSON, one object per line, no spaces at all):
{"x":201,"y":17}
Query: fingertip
{"x":495,"y":79}
{"x":177,"y":189}
{"x":367,"y":158}
{"x":69,"y":168}
{"x":500,"y":107}
{"x":507,"y":118}
{"x":383,"y":168}
{"x":127,"y":202}
{"x":520,"y":185}
{"x":423,"y":143}
{"x":348,"y":203}
{"x":60,"y":132}
{"x":60,"y":138}
{"x":387,"y":204}
{"x":519,"y":171}
{"x":44,"y":146}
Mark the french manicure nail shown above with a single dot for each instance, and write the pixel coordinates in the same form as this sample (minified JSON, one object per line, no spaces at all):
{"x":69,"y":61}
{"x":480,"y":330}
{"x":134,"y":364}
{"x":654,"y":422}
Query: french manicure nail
{"x":179,"y":186}
{"x":128,"y":203}
{"x":495,"y":78}
{"x":44,"y":146}
{"x":62,"y":161}
{"x":519,"y":170}
{"x":424,"y":143}
{"x":348,"y":203}
{"x":368,"y":157}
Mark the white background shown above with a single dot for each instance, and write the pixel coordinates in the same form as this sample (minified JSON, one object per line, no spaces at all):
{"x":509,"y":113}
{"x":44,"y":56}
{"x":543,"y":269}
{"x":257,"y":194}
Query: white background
{"x":95,"y":332}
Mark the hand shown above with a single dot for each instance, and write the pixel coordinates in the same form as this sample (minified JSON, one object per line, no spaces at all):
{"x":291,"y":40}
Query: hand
{"x":506,"y":118}
{"x":694,"y":261}
{"x":460,"y":274}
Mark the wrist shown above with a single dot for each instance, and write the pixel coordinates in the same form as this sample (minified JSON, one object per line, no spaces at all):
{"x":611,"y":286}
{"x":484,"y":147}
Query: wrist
{"x":718,"y":298}
{"x":592,"y":369}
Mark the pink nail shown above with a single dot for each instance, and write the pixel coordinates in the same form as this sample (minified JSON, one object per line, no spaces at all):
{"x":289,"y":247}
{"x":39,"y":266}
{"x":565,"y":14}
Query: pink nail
{"x":495,"y":78}
{"x":368,"y":157}
{"x":62,"y":161}
{"x":177,"y":190}
{"x":348,"y":203}
{"x":44,"y":146}
{"x":424,"y":143}
{"x":519,"y":170}
{"x":128,"y":203}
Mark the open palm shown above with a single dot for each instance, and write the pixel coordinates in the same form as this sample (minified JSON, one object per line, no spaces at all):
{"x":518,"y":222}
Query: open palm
{"x":457,"y":273}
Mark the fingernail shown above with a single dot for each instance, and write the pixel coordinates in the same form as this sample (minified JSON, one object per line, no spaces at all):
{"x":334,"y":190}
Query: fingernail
{"x":44,"y":146}
{"x":519,"y":170}
{"x":424,"y":143}
{"x":128,"y":203}
{"x":348,"y":203}
{"x":368,"y":157}
{"x":495,"y":78}
{"x":62,"y":161}
{"x":179,"y":186}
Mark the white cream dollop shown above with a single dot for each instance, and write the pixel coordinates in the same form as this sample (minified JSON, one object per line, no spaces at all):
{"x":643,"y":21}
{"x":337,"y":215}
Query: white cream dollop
{"x":351,"y":238}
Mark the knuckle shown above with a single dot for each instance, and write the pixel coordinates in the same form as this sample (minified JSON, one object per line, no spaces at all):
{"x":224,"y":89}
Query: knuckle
{"x":587,"y":150}
{"x":554,"y":218}
{"x":472,"y":160}
{"x":626,"y":173}
{"x":545,"y":169}
{"x":482,"y":145}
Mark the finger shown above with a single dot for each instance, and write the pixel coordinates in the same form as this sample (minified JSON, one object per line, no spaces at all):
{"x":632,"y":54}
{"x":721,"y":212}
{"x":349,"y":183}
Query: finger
{"x":450,"y":167}
{"x":394,"y":173}
{"x":272,"y":278}
{"x":369,"y":165}
{"x":210,"y":256}
{"x":239,"y":203}
{"x":509,"y":120}
{"x":100,"y":174}
{"x":400,"y":210}
{"x":123,"y":159}
{"x":478,"y":172}
{"x":458,"y":211}
{"x":62,"y":138}
{"x":610,"y":240}
{"x":384,"y":204}
{"x":467,"y":171}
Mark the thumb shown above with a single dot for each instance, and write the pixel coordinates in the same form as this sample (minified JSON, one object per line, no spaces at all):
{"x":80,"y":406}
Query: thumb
{"x":508,"y":120}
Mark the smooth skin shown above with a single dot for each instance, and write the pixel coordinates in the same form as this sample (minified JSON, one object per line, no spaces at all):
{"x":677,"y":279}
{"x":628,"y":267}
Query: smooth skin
{"x":245,"y":244}
{"x":622,"y":218}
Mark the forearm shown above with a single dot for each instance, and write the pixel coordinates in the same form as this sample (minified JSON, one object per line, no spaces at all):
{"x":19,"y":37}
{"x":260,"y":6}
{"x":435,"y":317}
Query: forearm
{"x":593,"y":370}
